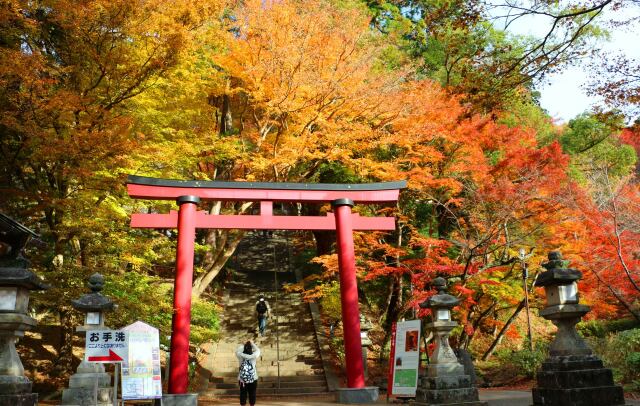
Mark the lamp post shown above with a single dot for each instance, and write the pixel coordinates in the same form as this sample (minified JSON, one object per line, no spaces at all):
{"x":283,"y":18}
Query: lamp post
{"x":91,"y":385}
{"x":525,"y":274}
{"x":15,"y":283}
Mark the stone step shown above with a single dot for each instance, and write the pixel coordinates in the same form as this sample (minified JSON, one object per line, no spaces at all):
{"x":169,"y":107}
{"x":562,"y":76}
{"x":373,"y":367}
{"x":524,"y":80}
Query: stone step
{"x":272,"y":378}
{"x":266,"y":391}
{"x":229,"y":352}
{"x":266,"y":367}
{"x":295,"y":357}
{"x":233,"y":384}
{"x":284,"y":371}
{"x":274,"y":371}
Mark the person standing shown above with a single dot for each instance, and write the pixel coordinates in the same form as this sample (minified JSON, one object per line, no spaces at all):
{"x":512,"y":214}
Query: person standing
{"x":263,"y":311}
{"x":248,"y":373}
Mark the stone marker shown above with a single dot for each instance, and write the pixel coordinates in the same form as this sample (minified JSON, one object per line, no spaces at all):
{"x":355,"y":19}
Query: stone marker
{"x":445,"y":382}
{"x":571,"y":375}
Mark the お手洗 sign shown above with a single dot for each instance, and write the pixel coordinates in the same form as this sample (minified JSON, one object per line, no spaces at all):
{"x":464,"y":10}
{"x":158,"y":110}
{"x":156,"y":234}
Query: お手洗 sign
{"x":106,"y":346}
{"x":405,"y":358}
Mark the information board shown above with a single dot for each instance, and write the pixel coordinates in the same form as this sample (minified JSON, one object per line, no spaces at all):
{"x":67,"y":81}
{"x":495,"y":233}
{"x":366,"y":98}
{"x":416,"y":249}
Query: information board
{"x":405,"y":358}
{"x":141,"y":369}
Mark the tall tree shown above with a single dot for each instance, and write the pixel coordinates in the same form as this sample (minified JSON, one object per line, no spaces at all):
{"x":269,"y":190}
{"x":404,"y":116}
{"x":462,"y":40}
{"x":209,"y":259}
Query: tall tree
{"x":67,"y":71}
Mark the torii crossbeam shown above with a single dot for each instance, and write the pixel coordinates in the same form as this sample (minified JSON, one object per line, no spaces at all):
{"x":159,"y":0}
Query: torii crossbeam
{"x":187,"y":219}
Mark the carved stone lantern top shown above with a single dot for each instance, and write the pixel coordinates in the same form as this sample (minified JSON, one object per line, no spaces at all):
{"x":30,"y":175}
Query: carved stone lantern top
{"x":13,"y":236}
{"x":365,"y":324}
{"x":22,"y":278}
{"x":94,"y":301}
{"x":13,"y":267}
{"x":556,"y":272}
{"x":440,"y":300}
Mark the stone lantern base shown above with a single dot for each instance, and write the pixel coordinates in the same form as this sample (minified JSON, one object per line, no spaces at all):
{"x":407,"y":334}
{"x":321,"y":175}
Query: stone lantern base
{"x":16,"y":391}
{"x":26,"y":399}
{"x":450,"y":390}
{"x":576,"y":380}
{"x":90,"y":386}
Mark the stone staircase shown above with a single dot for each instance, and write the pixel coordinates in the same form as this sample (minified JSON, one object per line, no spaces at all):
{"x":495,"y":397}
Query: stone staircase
{"x":290,"y":363}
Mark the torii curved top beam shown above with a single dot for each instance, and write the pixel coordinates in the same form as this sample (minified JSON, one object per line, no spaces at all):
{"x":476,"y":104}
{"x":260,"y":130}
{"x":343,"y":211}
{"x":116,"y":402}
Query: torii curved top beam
{"x":169,"y":189}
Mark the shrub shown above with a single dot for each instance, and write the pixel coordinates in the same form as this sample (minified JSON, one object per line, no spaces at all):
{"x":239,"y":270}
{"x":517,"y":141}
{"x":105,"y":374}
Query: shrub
{"x":524,"y":360}
{"x":621,"y":352}
{"x":205,"y":321}
{"x":600,"y":328}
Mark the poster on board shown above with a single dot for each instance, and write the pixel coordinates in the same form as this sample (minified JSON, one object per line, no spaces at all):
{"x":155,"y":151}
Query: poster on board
{"x":405,"y":358}
{"x":141,"y":368}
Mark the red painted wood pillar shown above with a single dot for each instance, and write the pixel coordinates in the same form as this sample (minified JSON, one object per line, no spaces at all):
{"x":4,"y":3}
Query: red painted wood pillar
{"x":181,"y":323}
{"x":349,"y":293}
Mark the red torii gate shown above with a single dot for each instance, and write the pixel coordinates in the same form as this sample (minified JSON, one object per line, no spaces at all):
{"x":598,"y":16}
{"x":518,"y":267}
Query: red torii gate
{"x":188,"y":194}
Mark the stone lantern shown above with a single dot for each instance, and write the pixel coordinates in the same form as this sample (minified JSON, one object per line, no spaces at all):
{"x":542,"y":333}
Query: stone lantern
{"x":91,"y":385}
{"x":15,"y":283}
{"x":571,"y":375}
{"x":445,"y":382}
{"x":94,"y":305}
{"x":365,"y":326}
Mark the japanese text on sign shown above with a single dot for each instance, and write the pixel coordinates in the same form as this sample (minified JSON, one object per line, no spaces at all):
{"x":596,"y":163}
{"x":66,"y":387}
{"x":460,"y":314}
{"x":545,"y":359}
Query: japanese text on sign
{"x":106,"y":345}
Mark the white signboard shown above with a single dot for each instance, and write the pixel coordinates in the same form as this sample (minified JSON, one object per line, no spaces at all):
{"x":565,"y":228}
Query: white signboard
{"x":106,"y":346}
{"x":141,"y":368}
{"x":406,"y":358}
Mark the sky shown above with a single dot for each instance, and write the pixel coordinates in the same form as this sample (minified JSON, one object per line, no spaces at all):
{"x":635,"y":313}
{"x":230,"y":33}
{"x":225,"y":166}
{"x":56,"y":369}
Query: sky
{"x":564,"y":96}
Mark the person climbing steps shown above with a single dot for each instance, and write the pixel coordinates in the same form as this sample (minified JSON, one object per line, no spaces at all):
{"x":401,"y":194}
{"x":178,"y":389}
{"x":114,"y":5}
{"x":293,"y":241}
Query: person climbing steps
{"x":263,"y":311}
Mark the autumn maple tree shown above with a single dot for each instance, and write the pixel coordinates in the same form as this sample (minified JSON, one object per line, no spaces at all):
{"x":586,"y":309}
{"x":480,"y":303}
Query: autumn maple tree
{"x":67,"y":71}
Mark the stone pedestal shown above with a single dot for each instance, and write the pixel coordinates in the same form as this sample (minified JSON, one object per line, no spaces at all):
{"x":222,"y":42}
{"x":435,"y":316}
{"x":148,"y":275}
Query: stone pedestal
{"x":184,"y":399}
{"x":24,"y":399}
{"x":450,"y":387}
{"x":368,"y":394}
{"x":91,"y":385}
{"x":445,"y":382}
{"x":16,"y":391}
{"x":576,"y":380}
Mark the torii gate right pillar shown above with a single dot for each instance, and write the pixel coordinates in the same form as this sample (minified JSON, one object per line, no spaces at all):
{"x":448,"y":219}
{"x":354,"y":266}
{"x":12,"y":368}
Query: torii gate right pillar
{"x":356,"y":392}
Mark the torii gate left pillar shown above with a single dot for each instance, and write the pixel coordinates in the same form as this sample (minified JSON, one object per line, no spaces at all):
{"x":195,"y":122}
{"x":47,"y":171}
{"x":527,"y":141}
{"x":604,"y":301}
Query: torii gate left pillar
{"x":342,"y":197}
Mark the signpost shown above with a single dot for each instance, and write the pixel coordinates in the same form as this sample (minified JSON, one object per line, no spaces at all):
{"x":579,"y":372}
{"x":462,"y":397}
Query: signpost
{"x":405,"y":358}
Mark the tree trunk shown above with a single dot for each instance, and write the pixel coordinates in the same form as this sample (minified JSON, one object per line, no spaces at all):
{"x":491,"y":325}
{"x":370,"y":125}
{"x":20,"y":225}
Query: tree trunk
{"x":216,"y":260}
{"x":495,"y":343}
{"x":226,"y":122}
{"x":324,"y":239}
{"x":65,"y":361}
{"x":393,"y":309}
{"x":619,"y":297}
{"x":465,"y":339}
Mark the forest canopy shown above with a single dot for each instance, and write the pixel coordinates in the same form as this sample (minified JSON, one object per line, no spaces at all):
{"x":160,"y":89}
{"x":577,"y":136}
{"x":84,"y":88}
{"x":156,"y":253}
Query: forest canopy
{"x":330,"y":91}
